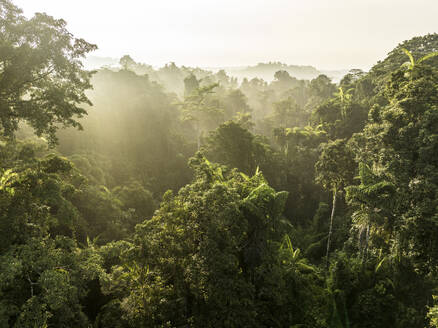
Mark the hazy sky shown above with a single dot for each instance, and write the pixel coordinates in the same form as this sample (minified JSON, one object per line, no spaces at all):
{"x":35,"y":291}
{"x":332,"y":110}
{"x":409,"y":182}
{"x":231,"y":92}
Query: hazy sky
{"x":328,"y":34}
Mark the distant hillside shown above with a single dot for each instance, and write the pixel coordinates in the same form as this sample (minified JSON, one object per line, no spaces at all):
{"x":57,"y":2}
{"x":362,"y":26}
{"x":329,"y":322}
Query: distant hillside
{"x":266,"y":71}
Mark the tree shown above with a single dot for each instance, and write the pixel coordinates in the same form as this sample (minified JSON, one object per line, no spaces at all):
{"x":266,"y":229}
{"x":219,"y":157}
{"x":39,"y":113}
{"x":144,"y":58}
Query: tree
{"x":132,"y":133}
{"x":320,"y":89}
{"x":235,"y":103}
{"x":373,"y":202}
{"x":287,"y":114}
{"x":340,"y":117}
{"x":283,"y":81}
{"x":400,"y":141}
{"x":351,"y":78}
{"x":35,"y":199}
{"x":44,"y":282}
{"x":42,"y":80}
{"x":334,"y":170}
{"x":230,"y":144}
{"x":210,"y":257}
{"x":298,"y":151}
{"x":412,"y":62}
{"x":127,"y":62}
{"x":191,"y":83}
{"x":200,"y":108}
{"x":418,"y":47}
{"x":44,"y":274}
{"x":136,"y":198}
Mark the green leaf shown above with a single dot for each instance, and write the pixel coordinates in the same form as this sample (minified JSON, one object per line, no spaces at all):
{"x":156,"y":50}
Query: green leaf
{"x":379,"y":264}
{"x":428,"y":56}
{"x":411,"y":58}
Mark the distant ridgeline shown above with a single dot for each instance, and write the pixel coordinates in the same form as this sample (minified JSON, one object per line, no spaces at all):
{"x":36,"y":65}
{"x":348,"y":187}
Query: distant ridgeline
{"x":264,"y":71}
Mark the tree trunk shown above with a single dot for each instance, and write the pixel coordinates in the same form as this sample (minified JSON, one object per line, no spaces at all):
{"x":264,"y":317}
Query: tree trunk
{"x":198,"y":136}
{"x":367,"y":240}
{"x":330,"y":228}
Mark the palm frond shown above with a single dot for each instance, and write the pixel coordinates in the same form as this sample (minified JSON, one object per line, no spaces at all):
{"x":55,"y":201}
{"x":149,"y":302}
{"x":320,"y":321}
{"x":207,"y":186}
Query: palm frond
{"x":428,"y":56}
{"x":411,"y":58}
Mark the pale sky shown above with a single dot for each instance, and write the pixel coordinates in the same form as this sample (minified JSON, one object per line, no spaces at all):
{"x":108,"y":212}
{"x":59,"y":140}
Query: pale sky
{"x":328,"y":34}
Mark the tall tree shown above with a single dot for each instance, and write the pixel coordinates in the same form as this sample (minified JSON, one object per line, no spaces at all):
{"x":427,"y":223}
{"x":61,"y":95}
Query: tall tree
{"x":334,"y":170}
{"x":42,"y":80}
{"x":401,"y":142}
{"x":201,"y":108}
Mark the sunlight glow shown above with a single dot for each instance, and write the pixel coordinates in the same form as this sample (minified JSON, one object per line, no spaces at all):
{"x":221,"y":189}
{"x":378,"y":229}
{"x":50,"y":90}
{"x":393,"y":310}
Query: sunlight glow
{"x":326,"y":34}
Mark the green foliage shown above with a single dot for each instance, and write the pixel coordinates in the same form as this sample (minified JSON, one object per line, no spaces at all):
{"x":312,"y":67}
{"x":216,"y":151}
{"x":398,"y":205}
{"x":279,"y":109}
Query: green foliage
{"x":365,"y":297}
{"x":335,"y":168}
{"x":412,"y":63}
{"x":400,"y":142}
{"x":230,"y":144}
{"x":235,"y":103}
{"x":43,"y":282}
{"x":287,"y":114}
{"x":132,"y":133}
{"x":37,"y":199}
{"x":191,"y":84}
{"x":137,"y":198}
{"x":320,"y":89}
{"x":201,"y":108}
{"x":432,"y":315}
{"x":42,"y":80}
{"x":340,"y":117}
{"x":83,"y":244}
{"x":218,"y":267}
{"x":373,"y":201}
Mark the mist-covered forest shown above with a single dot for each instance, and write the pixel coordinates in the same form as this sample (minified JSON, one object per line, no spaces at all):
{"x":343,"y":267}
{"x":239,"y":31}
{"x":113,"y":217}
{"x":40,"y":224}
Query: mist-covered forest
{"x":137,"y":196}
